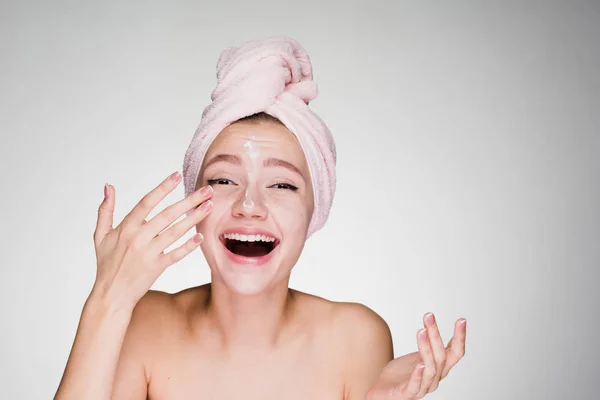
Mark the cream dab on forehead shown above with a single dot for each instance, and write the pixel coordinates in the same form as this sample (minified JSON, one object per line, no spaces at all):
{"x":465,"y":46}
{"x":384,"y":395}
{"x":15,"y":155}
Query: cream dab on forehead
{"x":251,"y":148}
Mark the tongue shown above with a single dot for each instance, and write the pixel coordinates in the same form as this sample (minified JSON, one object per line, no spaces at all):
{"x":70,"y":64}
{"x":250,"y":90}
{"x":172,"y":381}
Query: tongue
{"x":249,"y":249}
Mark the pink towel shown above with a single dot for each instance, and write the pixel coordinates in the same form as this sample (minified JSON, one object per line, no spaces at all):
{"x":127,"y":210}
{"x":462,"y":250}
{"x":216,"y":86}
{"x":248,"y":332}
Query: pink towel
{"x":274,"y":76}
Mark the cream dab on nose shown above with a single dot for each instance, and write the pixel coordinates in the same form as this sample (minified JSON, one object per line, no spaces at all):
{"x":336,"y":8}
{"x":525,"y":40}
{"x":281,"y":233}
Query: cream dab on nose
{"x":248,"y":203}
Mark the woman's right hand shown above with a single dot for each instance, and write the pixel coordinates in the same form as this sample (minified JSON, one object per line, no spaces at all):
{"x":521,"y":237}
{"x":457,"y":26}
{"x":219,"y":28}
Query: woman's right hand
{"x":131,"y":256}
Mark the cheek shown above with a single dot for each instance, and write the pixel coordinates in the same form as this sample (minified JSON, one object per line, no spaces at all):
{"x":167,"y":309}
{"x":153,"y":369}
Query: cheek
{"x":222,"y":204}
{"x":290,"y":213}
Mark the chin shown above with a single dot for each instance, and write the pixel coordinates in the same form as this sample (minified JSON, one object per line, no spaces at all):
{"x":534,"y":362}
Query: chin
{"x":250,"y":280}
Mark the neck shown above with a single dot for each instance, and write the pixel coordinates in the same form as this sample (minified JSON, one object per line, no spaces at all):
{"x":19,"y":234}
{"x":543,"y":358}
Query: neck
{"x":249,"y":321}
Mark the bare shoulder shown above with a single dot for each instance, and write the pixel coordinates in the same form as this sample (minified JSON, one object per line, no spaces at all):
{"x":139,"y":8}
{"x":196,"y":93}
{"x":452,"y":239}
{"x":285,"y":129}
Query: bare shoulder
{"x":152,"y":308}
{"x":350,"y":323}
{"x":147,"y":320}
{"x":362,"y":326}
{"x":159,"y":313}
{"x":153,"y":300}
{"x":367,"y":346}
{"x":345,"y":316}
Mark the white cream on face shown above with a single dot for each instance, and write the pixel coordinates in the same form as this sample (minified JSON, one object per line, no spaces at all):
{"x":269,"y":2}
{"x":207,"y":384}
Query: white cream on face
{"x":251,"y":148}
{"x":248,"y":203}
{"x":253,"y":151}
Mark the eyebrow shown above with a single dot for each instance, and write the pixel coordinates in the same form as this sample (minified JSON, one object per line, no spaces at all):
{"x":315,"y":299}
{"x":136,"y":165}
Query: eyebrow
{"x":230,"y":158}
{"x":276,"y":162}
{"x":269,"y":162}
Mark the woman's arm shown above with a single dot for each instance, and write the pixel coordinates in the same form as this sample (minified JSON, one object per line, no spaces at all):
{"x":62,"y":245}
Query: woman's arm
{"x":130,"y":258}
{"x":91,"y":367}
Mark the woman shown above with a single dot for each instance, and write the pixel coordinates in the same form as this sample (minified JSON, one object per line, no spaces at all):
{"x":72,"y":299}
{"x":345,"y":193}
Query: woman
{"x":259,"y":179}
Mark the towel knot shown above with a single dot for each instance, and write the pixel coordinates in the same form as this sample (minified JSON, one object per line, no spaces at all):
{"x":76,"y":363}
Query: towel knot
{"x":261,"y":71}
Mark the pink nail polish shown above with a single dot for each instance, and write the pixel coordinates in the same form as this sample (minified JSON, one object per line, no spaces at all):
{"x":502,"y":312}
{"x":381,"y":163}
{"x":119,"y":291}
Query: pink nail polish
{"x":423,"y":334}
{"x":430,"y":318}
{"x":206,"y":206}
{"x":206,"y":190}
{"x":175,"y":176}
{"x":106,"y":190}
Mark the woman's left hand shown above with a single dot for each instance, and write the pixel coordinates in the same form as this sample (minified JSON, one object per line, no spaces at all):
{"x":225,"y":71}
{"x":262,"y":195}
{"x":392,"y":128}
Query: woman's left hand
{"x":416,"y":374}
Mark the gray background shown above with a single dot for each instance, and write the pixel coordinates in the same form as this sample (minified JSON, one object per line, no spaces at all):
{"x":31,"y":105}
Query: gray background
{"x":468,"y":144}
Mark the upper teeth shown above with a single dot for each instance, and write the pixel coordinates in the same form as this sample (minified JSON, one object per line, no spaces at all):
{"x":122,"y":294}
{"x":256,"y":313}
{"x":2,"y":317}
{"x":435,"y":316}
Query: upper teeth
{"x":249,"y":238}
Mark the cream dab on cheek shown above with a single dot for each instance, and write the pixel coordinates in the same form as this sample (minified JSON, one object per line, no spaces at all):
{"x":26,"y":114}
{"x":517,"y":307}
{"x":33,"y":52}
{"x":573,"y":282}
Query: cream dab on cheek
{"x":252,"y":150}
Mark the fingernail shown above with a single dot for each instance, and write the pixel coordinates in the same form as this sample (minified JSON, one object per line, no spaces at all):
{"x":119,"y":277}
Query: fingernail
{"x":206,"y":206}
{"x":421,"y":366}
{"x":197,"y":238}
{"x":423,"y":334}
{"x":429,"y":317}
{"x":463,"y":322}
{"x":175,"y":176}
{"x":105,"y":190}
{"x":206,"y":190}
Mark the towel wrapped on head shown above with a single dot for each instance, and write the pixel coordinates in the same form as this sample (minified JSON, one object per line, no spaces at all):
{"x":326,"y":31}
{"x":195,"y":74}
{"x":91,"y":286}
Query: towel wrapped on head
{"x":273,"y":76}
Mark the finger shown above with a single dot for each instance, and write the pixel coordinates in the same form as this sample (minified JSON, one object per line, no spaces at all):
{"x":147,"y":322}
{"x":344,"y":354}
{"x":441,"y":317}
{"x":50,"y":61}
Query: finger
{"x":411,"y":389}
{"x":168,"y":237}
{"x":170,"y":258}
{"x":151,"y":200}
{"x":427,"y":356}
{"x":437,"y":345}
{"x":456,"y":348}
{"x":105,"y":215}
{"x":167,"y":216}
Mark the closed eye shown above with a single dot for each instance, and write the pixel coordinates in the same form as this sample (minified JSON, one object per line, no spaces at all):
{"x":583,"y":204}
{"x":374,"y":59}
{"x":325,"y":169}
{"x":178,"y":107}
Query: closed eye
{"x":220,"y":181}
{"x":223,"y":181}
{"x":284,"y":186}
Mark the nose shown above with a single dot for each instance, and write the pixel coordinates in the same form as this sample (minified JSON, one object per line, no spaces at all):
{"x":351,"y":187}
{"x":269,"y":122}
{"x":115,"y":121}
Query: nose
{"x":249,"y":204}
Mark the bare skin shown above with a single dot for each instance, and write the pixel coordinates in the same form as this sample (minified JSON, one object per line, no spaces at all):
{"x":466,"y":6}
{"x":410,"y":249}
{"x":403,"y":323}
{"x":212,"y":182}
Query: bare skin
{"x":183,"y":356}
{"x":247,"y":334}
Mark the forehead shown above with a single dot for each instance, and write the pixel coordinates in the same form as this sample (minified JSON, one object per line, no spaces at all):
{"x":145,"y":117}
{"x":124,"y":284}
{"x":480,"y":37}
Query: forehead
{"x":269,"y":138}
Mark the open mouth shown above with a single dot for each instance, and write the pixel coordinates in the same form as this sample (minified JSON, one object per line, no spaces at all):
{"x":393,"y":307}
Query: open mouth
{"x":249,"y":245}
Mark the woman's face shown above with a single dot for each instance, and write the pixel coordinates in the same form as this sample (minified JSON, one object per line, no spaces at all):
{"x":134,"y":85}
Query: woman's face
{"x":263,"y":203}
